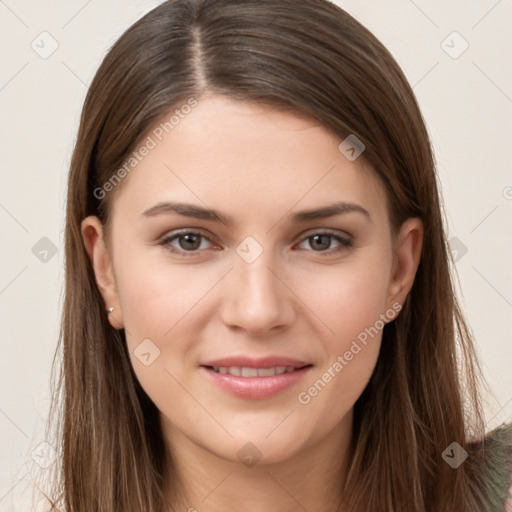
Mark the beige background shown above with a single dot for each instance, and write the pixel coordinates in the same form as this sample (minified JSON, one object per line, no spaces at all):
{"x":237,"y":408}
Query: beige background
{"x":466,"y":101}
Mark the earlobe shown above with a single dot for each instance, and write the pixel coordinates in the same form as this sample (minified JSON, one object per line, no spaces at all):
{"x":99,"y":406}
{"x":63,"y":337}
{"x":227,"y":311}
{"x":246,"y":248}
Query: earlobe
{"x":406,"y":260}
{"x":101,"y":261}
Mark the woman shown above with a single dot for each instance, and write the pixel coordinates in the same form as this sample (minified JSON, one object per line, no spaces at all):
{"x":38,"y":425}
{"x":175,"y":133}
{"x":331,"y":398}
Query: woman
{"x":259,"y":313}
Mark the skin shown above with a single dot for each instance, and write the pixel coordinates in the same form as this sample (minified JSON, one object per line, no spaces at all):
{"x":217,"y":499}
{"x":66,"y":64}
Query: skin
{"x":259,"y":166}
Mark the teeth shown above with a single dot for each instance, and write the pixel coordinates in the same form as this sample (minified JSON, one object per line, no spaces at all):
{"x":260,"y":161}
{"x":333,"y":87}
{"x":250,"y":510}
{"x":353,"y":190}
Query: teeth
{"x":253,"y":372}
{"x":235,"y":371}
{"x":249,"y":372}
{"x":266,"y":372}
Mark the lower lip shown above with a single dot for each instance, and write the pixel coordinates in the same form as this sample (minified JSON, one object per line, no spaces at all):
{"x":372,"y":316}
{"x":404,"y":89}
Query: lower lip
{"x":256,"y":388}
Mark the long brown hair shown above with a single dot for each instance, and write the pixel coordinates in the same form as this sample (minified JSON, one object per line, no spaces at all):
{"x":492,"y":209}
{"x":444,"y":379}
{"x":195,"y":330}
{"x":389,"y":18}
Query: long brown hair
{"x":312,"y":58}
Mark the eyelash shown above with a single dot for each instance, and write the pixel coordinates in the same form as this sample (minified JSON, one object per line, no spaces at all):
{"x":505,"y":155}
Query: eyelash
{"x":344,"y":243}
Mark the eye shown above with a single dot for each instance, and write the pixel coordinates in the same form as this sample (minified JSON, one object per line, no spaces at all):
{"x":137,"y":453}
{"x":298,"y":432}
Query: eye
{"x":322,"y":242}
{"x":186,"y":242}
{"x":190,"y":243}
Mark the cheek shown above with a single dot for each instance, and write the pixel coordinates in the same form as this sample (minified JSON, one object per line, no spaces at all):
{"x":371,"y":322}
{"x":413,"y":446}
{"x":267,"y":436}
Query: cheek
{"x":156,"y":296}
{"x":350,"y":301}
{"x":158,"y":303}
{"x":347,"y":299}
{"x":352,"y":312}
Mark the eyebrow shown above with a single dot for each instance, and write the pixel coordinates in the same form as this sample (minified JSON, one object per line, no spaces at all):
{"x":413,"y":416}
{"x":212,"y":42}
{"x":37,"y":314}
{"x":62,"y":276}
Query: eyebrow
{"x":198,"y":212}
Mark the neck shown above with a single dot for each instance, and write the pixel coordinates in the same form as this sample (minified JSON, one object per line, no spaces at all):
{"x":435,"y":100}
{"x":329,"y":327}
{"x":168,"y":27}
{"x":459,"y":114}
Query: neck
{"x":310,"y":479}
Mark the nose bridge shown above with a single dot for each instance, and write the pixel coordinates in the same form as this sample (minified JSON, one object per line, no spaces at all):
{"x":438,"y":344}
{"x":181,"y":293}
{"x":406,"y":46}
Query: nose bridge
{"x":257,"y":281}
{"x":257,"y":300}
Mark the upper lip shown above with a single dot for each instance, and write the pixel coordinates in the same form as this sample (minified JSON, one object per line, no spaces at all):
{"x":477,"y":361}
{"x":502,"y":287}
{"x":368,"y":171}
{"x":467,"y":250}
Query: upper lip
{"x":255,"y":362}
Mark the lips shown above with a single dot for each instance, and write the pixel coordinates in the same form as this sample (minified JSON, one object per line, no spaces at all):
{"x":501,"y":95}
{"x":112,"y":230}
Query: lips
{"x":253,"y":362}
{"x":246,"y":371}
{"x":255,"y":378}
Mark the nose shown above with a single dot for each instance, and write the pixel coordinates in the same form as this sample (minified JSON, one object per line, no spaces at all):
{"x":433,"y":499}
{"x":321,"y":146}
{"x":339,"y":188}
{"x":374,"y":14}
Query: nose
{"x":257,"y":298}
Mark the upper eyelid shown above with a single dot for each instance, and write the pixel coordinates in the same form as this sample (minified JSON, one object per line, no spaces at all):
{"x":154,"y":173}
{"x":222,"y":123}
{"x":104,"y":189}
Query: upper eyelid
{"x":185,"y":231}
{"x":308,"y":232}
{"x":327,"y":231}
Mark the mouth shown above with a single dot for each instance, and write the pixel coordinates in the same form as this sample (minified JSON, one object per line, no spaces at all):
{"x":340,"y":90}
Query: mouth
{"x":246,"y":371}
{"x":256,"y":379}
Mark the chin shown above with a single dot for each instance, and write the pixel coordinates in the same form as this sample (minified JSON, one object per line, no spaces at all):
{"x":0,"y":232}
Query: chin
{"x":258,"y":447}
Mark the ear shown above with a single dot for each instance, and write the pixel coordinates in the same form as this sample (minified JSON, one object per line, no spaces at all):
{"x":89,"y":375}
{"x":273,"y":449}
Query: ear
{"x":101,"y":260}
{"x":406,"y":260}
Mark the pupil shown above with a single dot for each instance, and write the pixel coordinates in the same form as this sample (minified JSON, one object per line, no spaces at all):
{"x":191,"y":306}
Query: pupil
{"x":191,"y":241}
{"x":325,"y":244}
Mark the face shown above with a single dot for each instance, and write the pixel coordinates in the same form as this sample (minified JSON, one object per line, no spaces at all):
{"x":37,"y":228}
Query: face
{"x":246,"y":234}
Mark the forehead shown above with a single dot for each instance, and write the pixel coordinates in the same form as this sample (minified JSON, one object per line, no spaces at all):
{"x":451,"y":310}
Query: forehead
{"x":244,"y":158}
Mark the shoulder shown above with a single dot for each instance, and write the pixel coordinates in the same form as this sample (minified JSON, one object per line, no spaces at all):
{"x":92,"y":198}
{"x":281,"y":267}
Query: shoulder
{"x":494,"y":467}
